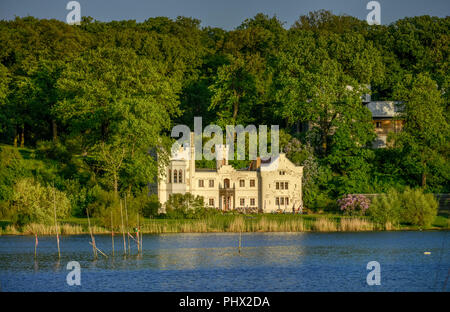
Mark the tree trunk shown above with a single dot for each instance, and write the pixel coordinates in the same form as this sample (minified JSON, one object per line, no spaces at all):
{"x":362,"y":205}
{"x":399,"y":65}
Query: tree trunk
{"x":236,"y":107}
{"x":54,"y":130}
{"x":116,"y":186}
{"x":235,"y":111}
{"x":22,"y":137}
{"x":324,"y":142}
{"x":16,"y":137}
{"x":424,"y":172}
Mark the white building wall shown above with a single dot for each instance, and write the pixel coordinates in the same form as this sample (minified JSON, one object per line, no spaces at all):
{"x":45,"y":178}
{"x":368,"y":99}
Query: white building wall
{"x":264,"y":192}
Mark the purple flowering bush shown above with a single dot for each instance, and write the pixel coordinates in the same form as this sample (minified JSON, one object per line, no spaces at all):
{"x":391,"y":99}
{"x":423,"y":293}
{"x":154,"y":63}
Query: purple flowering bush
{"x":354,"y":204}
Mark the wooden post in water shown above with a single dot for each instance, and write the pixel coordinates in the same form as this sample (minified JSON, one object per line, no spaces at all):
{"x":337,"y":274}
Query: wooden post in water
{"x":56,"y":223}
{"x":240,"y":239}
{"x":35,"y":246}
{"x":112,"y":233}
{"x":140,"y":241}
{"x":140,"y":238}
{"x":97,"y":249}
{"x":126,"y":220}
{"x":94,"y":249}
{"x":123,"y":231}
{"x":138,"y":235}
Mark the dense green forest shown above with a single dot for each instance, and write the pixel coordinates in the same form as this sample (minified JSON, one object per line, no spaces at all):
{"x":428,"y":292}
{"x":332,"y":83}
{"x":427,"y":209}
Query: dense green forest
{"x":83,"y":108}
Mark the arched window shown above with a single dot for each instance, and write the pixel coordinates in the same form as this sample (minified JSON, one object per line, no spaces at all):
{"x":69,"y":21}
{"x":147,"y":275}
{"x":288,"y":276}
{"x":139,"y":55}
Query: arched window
{"x":226,"y":183}
{"x":175,"y":176}
{"x":170,"y":175}
{"x":180,"y":176}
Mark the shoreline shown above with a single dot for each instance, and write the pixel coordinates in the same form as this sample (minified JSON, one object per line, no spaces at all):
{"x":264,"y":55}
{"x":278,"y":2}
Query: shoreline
{"x":226,"y":224}
{"x":218,"y":232}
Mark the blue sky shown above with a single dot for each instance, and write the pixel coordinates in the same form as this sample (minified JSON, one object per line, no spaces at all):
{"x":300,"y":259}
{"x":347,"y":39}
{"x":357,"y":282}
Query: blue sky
{"x":226,"y":14}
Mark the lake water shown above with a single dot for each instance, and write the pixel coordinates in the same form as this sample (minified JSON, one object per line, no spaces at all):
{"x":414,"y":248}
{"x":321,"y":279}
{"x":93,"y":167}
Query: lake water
{"x":211,"y":262}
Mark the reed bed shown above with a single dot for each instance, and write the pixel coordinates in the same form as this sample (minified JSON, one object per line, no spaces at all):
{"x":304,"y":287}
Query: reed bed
{"x":194,"y":227}
{"x":388,"y":226}
{"x":355,"y":225}
{"x":11,"y":229}
{"x":237,"y":225}
{"x":44,"y":229}
{"x":267,"y":225}
{"x":218,"y":223}
{"x":324,"y":225}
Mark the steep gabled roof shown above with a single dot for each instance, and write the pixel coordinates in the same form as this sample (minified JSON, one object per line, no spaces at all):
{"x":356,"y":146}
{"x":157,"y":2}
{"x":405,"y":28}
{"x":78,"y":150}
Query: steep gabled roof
{"x":387,"y":109}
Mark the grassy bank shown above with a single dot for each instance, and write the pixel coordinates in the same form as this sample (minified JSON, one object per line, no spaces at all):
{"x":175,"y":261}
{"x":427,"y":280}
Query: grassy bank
{"x":228,"y":223}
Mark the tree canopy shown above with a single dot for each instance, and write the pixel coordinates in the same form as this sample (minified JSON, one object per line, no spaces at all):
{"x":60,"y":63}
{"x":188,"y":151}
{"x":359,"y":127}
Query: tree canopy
{"x":100,"y":98}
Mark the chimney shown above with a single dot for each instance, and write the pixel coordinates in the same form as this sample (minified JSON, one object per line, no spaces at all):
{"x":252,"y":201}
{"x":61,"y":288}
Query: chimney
{"x":255,"y":164}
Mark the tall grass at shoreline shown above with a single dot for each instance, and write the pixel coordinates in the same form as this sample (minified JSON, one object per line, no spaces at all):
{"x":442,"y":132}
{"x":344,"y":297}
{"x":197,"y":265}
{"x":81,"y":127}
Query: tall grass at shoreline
{"x":325,"y":225}
{"x":43,"y":229}
{"x":219,"y":223}
{"x":355,"y":224}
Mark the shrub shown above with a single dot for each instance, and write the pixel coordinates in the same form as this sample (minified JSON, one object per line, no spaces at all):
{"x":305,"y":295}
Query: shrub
{"x":144,"y":204}
{"x":385,"y":208}
{"x":80,"y":196}
{"x":33,"y":202}
{"x":151,"y":206}
{"x":412,"y":206}
{"x":104,"y":203}
{"x":52,"y":150}
{"x":354,"y":204}
{"x":316,"y":200}
{"x":418,"y":208}
{"x":11,"y":170}
{"x":4,"y":209}
{"x":187,"y":206}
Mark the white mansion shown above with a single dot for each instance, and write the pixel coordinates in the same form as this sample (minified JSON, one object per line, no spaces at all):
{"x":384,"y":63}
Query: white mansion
{"x":264,"y":186}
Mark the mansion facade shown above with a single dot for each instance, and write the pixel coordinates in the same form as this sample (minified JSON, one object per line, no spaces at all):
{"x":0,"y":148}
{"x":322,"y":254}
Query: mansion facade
{"x":271,"y":186}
